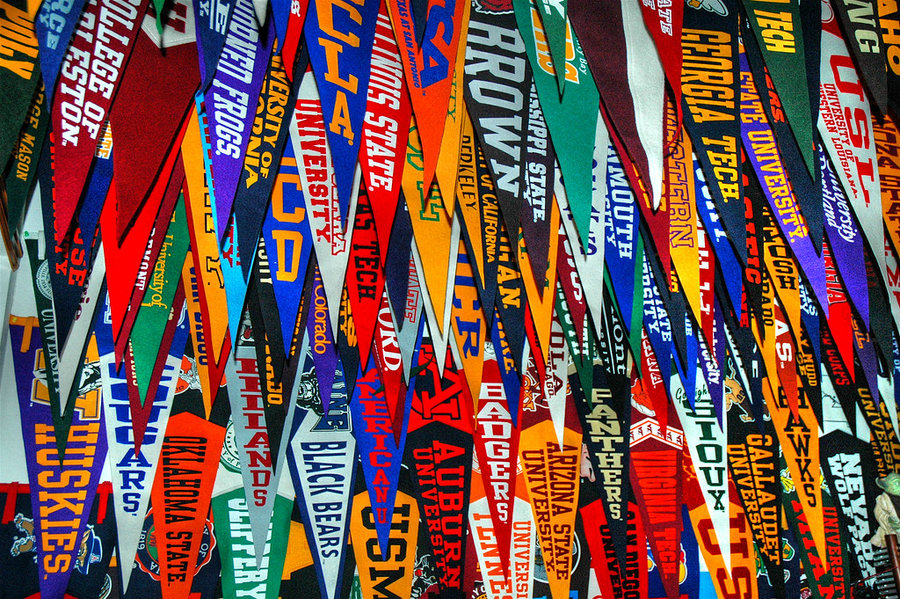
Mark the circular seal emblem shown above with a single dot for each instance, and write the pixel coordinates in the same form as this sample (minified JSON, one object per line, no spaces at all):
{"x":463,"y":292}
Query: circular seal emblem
{"x":147,"y":557}
{"x":42,"y":279}
{"x":230,"y":458}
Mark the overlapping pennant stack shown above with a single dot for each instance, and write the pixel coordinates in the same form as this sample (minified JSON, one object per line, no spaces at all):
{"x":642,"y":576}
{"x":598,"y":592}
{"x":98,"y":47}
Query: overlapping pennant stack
{"x":408,"y":298}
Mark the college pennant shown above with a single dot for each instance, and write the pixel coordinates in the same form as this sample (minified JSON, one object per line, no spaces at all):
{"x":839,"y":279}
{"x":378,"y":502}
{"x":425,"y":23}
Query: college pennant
{"x":385,"y":130}
{"x":378,"y":568}
{"x":762,"y":153}
{"x":64,"y":484}
{"x":365,"y":276}
{"x":580,"y":102}
{"x":439,"y":449}
{"x":429,"y":67}
{"x":230,"y":99}
{"x":323,"y":461}
{"x":23,"y":167}
{"x":845,"y":123}
{"x":181,"y":497}
{"x":79,"y":111}
{"x":499,"y":87}
{"x":655,"y":461}
{"x":448,"y":158}
{"x":242,"y":573}
{"x":251,"y":436}
{"x":134,"y":465}
{"x":777,"y":29}
{"x":156,"y":91}
{"x":752,"y":453}
{"x":19,"y":70}
{"x":339,"y":49}
{"x":207,"y":267}
{"x":212,"y":19}
{"x":860,"y":22}
{"x":709,"y":46}
{"x":288,"y":244}
{"x":262,"y":165}
{"x":158,"y":300}
{"x":330,"y":240}
{"x":467,"y":319}
{"x":432,"y":230}
{"x":381,"y":450}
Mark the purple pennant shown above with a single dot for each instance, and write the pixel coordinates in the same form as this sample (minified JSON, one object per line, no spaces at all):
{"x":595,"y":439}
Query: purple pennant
{"x":321,"y":340}
{"x":62,"y":491}
{"x":211,"y":21}
{"x":759,"y":142}
{"x":340,"y":42}
{"x":845,"y":237}
{"x":231,"y":103}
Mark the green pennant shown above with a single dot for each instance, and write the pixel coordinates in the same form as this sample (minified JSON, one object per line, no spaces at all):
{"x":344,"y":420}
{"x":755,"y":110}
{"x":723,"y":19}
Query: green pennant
{"x":156,"y":305}
{"x":26,"y":153}
{"x":19,"y":70}
{"x":571,"y":117}
{"x":777,"y":28}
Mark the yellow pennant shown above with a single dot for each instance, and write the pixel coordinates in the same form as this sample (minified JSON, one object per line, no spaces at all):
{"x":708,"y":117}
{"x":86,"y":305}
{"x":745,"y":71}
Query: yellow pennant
{"x":205,"y":246}
{"x":541,"y":299}
{"x":448,"y":159}
{"x":192,"y":299}
{"x":467,"y":190}
{"x":468,"y":322}
{"x":431,"y":227}
{"x":552,"y":478}
{"x":393,"y":573}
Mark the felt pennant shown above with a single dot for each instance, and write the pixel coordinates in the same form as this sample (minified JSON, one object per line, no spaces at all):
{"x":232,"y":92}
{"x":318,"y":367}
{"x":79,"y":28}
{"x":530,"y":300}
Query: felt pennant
{"x":251,"y":437}
{"x":429,"y":68}
{"x":63,"y":484}
{"x":205,"y":243}
{"x":845,"y":121}
{"x":381,"y":453}
{"x":887,"y":146}
{"x":439,"y":449}
{"x":340,"y":42}
{"x":268,"y":138}
{"x":888,"y":20}
{"x":762,"y":153}
{"x":431,"y":228}
{"x":496,"y":448}
{"x":545,"y":460}
{"x":574,"y":148}
{"x":647,"y":85}
{"x":664,"y":21}
{"x":378,"y":568}
{"x":860,"y":22}
{"x":330,"y":240}
{"x":448,"y":158}
{"x":709,"y":45}
{"x":288,"y":243}
{"x":323,"y":462}
{"x":780,"y":38}
{"x":468,"y":322}
{"x":212,"y":19}
{"x":289,"y":21}
{"x":54,"y":28}
{"x":390,"y":362}
{"x":190,"y":451}
{"x":385,"y":130}
{"x":158,"y":298}
{"x":156,"y":91}
{"x":23,"y":166}
{"x":365,"y":278}
{"x":499,"y":87}
{"x":230,"y":99}
{"x":134,"y":467}
{"x":240,"y":573}
{"x":708,"y":454}
{"x":19,"y":71}
{"x":79,"y":111}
